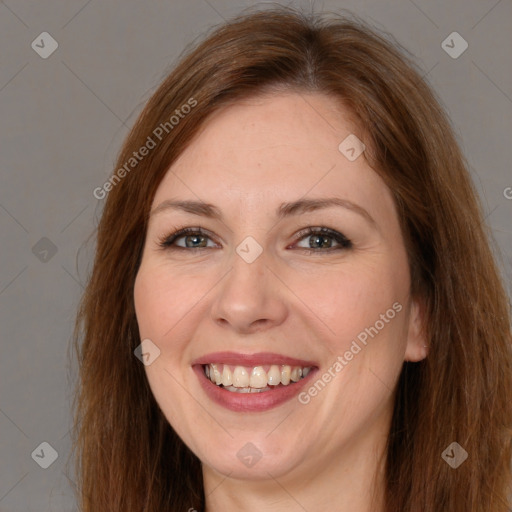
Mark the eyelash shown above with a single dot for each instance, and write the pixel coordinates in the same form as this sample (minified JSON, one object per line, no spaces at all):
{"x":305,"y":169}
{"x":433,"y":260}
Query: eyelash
{"x":167,"y":242}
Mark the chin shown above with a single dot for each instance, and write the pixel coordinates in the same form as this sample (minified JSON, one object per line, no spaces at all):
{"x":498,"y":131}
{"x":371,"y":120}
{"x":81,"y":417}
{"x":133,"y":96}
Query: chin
{"x":254,"y":457}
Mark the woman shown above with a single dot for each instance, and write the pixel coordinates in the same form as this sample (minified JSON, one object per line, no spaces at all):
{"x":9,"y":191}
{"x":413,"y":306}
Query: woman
{"x":293,"y":303}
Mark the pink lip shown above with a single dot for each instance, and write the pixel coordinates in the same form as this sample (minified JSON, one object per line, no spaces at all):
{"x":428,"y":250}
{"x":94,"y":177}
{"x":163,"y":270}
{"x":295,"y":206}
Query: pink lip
{"x":251,"y":402}
{"x":259,"y":359}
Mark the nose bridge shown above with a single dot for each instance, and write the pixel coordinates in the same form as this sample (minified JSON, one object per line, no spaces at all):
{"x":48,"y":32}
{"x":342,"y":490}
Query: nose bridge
{"x":249,"y":261}
{"x":248,"y":276}
{"x":249,"y":295}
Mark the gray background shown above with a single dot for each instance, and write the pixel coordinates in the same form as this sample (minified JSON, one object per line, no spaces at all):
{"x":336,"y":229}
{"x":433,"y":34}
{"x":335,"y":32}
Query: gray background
{"x":62,"y":122}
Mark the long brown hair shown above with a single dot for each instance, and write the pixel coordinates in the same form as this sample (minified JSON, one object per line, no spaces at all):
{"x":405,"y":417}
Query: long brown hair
{"x":128,"y":458}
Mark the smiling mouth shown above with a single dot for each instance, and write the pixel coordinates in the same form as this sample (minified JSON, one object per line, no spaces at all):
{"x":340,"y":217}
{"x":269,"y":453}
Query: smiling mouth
{"x":254,"y":379}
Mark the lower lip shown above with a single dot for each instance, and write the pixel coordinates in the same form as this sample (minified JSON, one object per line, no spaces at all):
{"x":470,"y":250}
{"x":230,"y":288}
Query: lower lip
{"x":250,"y":402}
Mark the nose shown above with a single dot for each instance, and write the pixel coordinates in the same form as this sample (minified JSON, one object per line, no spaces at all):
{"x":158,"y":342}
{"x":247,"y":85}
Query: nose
{"x":250,"y":298}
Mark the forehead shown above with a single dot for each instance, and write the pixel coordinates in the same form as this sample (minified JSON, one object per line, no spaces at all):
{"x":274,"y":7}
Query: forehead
{"x":264,"y":150}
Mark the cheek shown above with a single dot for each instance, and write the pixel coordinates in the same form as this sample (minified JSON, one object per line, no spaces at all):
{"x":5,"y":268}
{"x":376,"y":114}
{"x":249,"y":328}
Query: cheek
{"x":361,"y":310}
{"x":166,"y":304}
{"x":163,"y":299}
{"x":354,"y":298}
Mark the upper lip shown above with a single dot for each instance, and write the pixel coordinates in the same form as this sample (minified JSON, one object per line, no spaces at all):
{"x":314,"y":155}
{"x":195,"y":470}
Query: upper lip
{"x":259,"y":359}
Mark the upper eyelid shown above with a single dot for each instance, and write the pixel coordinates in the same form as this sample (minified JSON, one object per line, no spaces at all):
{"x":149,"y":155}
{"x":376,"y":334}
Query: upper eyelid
{"x":298,"y":236}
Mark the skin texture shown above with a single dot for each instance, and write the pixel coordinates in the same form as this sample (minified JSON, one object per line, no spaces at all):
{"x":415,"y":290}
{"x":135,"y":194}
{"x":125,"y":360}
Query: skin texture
{"x":248,"y":159}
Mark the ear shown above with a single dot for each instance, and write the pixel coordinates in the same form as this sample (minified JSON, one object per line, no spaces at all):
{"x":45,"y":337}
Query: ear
{"x":417,"y":343}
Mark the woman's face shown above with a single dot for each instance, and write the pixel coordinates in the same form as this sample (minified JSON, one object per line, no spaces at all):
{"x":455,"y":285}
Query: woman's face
{"x":255,"y":283}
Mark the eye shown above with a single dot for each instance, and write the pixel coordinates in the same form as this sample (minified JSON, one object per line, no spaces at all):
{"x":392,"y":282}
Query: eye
{"x":323,"y":238}
{"x":193,"y":238}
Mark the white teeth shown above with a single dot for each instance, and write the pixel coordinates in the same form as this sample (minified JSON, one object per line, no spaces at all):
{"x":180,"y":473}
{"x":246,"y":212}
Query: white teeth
{"x":240,"y":377}
{"x":256,"y":379}
{"x":216,"y":374}
{"x":247,"y":390}
{"x":285,"y":374}
{"x":274,"y":375}
{"x":227,"y":376}
{"x":296,"y":374}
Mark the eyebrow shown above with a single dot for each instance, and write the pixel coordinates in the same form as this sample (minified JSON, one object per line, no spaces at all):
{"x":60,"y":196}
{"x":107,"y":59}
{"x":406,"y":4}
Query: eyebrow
{"x":284,"y":210}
